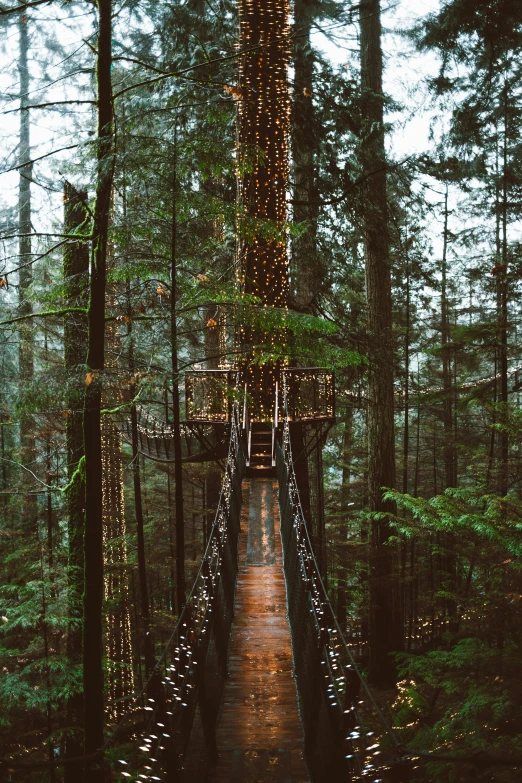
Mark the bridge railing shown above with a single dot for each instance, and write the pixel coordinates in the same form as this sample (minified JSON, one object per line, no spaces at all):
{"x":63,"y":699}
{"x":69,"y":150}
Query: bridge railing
{"x":190,"y":675}
{"x":338,"y":743}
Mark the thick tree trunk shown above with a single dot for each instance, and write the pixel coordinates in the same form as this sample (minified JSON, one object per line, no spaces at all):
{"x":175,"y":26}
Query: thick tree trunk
{"x":120,"y":680}
{"x":263,"y":131}
{"x":307,"y":274}
{"x":75,"y":271}
{"x":386,"y":634}
{"x":94,"y":571}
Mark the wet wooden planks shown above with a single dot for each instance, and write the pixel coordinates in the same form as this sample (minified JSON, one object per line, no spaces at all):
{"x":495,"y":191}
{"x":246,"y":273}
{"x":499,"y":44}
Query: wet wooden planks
{"x":259,"y":733}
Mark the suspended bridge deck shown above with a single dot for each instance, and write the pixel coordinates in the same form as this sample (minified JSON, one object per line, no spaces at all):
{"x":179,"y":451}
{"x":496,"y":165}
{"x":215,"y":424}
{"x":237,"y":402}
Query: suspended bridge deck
{"x":259,"y":735}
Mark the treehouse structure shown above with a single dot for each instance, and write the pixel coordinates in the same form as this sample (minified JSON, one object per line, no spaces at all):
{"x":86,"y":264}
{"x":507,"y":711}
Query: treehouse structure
{"x":258,"y":681}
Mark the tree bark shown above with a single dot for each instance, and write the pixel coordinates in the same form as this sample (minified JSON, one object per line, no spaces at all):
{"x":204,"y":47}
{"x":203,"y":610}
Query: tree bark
{"x":503,"y":315}
{"x":345,"y":508}
{"x":263,"y":131}
{"x":386,"y":634}
{"x":25,"y":275}
{"x":307,"y":274}
{"x":75,"y":271}
{"x":142,"y":565}
{"x":178,"y":467}
{"x":447,"y":392}
{"x":407,"y":337}
{"x":94,"y":571}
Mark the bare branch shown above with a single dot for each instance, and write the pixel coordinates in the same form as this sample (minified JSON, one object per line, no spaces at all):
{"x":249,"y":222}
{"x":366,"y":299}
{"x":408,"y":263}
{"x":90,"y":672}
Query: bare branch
{"x":47,"y":105}
{"x":17,"y":9}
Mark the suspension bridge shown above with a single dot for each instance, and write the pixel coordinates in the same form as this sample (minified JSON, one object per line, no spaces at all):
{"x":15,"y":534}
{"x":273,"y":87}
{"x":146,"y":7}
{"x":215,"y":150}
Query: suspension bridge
{"x":258,"y":681}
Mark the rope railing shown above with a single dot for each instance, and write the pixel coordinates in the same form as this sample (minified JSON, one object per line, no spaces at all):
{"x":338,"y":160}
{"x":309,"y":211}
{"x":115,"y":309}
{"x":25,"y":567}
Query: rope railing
{"x":337,"y":747}
{"x":187,"y":682}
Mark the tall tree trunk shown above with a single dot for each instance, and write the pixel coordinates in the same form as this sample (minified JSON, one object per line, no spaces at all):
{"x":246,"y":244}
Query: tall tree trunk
{"x":417,"y":438}
{"x":75,"y":272}
{"x":503,"y":315}
{"x":94,"y":571}
{"x":345,"y":507}
{"x":142,"y":566}
{"x":120,"y":680}
{"x":447,"y":418}
{"x":25,"y":275}
{"x":178,"y":467}
{"x":407,"y":337}
{"x":307,"y":274}
{"x":448,"y":540}
{"x":386,"y":633}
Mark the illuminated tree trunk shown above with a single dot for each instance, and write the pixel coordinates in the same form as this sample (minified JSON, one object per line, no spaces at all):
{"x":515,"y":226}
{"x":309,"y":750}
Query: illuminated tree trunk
{"x":344,"y":507}
{"x":75,"y":270}
{"x":120,"y":681}
{"x":94,"y":577}
{"x":140,"y":537}
{"x":385,"y":627}
{"x":263,"y":130}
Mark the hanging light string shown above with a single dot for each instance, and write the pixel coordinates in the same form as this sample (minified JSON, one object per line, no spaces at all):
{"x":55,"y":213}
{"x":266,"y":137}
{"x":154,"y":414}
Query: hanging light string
{"x":263,"y":126}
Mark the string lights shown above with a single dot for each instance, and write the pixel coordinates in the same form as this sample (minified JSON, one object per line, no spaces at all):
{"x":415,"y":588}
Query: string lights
{"x":168,"y":715}
{"x":311,"y":393}
{"x":120,"y":675}
{"x":207,"y":395}
{"x":263,"y":132}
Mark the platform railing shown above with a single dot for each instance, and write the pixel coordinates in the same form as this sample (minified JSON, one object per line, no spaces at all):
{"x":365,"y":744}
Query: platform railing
{"x":208,"y":394}
{"x":310,"y":393}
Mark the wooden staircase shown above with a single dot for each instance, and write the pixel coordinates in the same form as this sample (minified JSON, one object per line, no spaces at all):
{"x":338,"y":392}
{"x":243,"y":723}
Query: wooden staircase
{"x":261,"y":451}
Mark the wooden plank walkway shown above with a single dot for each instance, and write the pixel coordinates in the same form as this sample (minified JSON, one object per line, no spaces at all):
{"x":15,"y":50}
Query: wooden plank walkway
{"x":259,"y":736}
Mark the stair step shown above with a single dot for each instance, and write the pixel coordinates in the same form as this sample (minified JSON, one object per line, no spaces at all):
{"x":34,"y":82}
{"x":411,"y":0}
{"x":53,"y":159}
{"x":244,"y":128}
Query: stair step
{"x":260,"y":471}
